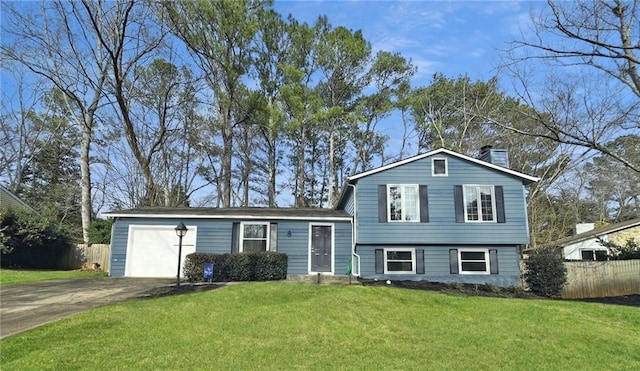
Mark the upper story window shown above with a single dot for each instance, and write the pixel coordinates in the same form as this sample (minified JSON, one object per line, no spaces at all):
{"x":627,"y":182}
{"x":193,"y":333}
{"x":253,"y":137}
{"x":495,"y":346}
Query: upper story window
{"x":403,"y":203}
{"x":254,"y":237}
{"x":439,"y":167}
{"x":479,"y":203}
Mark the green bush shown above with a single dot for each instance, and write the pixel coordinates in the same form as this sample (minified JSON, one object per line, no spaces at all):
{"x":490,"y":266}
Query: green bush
{"x":545,"y":271}
{"x":250,"y":266}
{"x":31,"y":241}
{"x":630,"y":249}
{"x":100,"y":231}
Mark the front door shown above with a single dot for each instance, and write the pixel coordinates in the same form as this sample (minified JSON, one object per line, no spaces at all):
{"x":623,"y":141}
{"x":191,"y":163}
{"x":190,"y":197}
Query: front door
{"x":321,"y":248}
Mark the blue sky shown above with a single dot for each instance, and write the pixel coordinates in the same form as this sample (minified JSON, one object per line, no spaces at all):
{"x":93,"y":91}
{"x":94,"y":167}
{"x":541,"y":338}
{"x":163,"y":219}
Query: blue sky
{"x":449,"y":37}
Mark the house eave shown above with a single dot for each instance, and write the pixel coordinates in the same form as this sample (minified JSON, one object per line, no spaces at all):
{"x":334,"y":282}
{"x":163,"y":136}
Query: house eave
{"x":527,"y":178}
{"x":246,"y":217}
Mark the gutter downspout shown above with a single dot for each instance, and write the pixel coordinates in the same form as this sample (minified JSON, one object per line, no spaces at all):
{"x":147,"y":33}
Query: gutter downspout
{"x":354,"y":230}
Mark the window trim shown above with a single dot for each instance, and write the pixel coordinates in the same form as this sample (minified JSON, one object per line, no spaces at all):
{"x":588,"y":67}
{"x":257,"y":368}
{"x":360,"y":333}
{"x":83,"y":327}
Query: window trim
{"x":241,"y":237}
{"x":433,"y":166}
{"x":494,"y":211}
{"x":594,"y":251}
{"x":486,"y":257}
{"x":398,"y":249}
{"x":389,"y":200}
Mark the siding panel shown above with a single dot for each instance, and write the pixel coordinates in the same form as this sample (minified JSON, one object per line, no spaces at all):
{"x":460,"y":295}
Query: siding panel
{"x":214,"y":236}
{"x":436,"y":264}
{"x":442,"y":227}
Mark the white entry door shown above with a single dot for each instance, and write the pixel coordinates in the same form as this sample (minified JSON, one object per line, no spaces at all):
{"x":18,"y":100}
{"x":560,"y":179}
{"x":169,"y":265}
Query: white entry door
{"x":152,"y":251}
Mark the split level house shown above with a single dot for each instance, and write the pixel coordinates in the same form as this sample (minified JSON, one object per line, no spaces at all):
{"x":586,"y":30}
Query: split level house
{"x":439,"y":216}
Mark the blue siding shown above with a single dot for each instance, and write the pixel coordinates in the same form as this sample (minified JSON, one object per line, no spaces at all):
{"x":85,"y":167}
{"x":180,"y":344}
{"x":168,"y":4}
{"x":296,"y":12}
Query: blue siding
{"x":436,"y":263}
{"x":348,"y":203}
{"x":214,"y":236}
{"x":442,"y":227}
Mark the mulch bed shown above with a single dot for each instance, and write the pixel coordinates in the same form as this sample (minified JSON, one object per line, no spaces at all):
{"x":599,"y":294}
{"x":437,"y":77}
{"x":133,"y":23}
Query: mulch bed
{"x":493,"y":291}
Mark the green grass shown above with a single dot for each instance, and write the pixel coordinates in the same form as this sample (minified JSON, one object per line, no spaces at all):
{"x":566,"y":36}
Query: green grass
{"x":11,"y":276}
{"x":304,"y":326}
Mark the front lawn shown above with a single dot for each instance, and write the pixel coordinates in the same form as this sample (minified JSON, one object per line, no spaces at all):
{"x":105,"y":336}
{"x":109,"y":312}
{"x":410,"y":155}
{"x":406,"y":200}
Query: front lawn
{"x":306,"y":326}
{"x":10,"y":276}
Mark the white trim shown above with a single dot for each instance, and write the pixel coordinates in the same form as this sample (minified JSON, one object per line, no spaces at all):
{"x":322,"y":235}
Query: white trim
{"x":448,"y":152}
{"x":433,"y":166}
{"x":494,"y":212}
{"x":247,"y":217}
{"x":593,"y":249}
{"x":413,"y":260}
{"x":333,"y":247}
{"x":241,"y":237}
{"x":486,"y":257}
{"x":402,"y":193}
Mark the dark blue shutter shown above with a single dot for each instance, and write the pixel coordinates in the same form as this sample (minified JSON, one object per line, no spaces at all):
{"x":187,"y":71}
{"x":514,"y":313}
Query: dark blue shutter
{"x":420,"y":261}
{"x":235,"y":238}
{"x":493,"y":261}
{"x":453,"y":261}
{"x":379,"y":261}
{"x":273,"y":237}
{"x":382,"y":203}
{"x":499,"y":204}
{"x":459,"y":203}
{"x":424,"y":204}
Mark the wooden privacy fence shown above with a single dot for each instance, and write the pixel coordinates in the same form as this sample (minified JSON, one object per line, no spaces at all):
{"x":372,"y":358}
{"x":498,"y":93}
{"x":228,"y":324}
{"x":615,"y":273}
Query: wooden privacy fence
{"x":593,"y":279}
{"x":82,"y":255}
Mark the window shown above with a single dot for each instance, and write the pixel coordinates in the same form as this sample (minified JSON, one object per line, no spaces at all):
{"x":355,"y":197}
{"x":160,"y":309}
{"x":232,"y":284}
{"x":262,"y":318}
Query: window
{"x":254,"y":237}
{"x":402,"y":203}
{"x":473,"y":261}
{"x":598,"y":255}
{"x":479,"y":203}
{"x":439,"y":167}
{"x":399,"y":261}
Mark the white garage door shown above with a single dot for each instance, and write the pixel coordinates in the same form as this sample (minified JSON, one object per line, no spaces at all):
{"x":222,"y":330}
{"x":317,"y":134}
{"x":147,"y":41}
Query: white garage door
{"x":152,"y":251}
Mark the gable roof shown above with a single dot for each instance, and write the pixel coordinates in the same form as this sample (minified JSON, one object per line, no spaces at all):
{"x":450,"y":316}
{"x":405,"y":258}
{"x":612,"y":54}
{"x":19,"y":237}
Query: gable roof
{"x":231,"y":212}
{"x":526,"y":178}
{"x":8,"y":199}
{"x":595,"y":233}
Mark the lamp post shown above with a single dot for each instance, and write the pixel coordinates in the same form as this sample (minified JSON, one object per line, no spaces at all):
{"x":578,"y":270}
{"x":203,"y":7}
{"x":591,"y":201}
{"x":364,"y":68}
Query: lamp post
{"x":181,"y":230}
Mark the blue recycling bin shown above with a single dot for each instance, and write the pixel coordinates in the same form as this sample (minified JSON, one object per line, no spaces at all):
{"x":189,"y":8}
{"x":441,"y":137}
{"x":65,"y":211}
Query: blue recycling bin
{"x":208,"y":271}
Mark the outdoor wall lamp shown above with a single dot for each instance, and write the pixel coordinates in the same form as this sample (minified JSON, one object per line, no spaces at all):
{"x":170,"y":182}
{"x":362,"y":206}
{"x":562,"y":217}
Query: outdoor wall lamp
{"x":181,"y":230}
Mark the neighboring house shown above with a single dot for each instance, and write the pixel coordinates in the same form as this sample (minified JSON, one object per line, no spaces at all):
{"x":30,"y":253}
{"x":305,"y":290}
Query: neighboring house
{"x":585,"y":245}
{"x":439,"y":216}
{"x":11,"y":201}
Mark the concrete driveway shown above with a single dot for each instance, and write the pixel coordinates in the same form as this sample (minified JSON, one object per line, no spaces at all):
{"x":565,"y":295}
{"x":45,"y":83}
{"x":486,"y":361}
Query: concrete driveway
{"x":25,"y":306}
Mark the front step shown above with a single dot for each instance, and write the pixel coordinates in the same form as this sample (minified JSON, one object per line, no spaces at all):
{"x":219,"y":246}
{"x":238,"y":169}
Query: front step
{"x":320,"y":278}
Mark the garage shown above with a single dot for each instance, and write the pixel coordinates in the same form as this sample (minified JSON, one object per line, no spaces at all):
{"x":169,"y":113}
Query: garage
{"x":152,"y":250}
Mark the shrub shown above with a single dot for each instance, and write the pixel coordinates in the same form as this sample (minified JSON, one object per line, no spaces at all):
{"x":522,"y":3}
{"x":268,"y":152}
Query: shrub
{"x":194,"y":266}
{"x":545,"y":271}
{"x":249,"y":266}
{"x":630,"y":249}
{"x":100,"y":231}
{"x":31,"y":241}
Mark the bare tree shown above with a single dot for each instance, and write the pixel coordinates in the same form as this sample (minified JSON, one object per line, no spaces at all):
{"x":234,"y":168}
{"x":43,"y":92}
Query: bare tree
{"x":18,"y":134}
{"x":579,"y":42}
{"x":50,"y":41}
